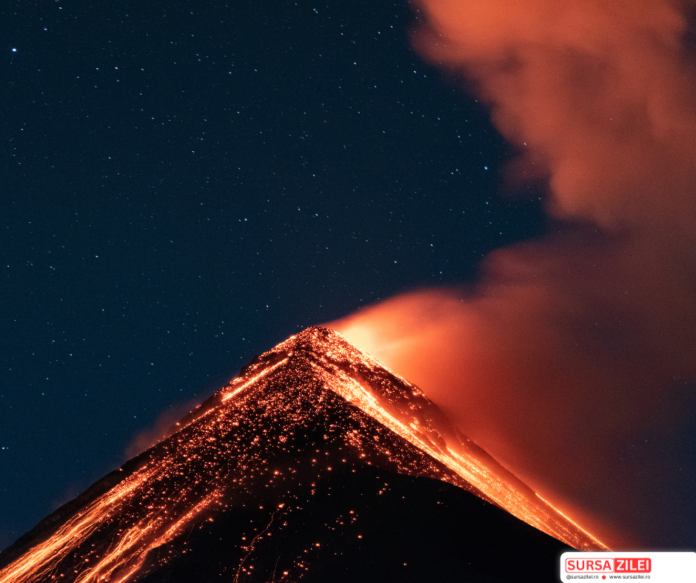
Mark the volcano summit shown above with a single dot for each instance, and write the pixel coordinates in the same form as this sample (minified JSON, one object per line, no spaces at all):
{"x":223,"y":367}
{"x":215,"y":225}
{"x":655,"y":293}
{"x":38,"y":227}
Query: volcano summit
{"x":315,"y":464}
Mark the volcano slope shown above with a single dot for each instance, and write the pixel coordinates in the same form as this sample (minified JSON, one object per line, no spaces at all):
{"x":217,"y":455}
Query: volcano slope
{"x":315,"y":464}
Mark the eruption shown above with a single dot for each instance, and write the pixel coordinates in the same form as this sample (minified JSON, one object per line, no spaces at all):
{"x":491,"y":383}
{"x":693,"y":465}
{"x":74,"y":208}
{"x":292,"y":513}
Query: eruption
{"x":572,"y":359}
{"x":278,"y":466}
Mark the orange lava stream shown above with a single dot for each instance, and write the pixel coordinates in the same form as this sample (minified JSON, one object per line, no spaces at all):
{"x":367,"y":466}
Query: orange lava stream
{"x":43,"y":557}
{"x":172,"y":531}
{"x":131,"y":548}
{"x":468,"y":468}
{"x":253,"y":379}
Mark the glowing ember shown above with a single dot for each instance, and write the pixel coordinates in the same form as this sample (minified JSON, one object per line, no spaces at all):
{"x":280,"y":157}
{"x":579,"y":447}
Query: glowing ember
{"x":232,"y":444}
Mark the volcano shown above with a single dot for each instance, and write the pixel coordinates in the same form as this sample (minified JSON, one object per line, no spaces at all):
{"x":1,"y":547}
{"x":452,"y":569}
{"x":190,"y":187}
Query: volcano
{"x":316,"y":463}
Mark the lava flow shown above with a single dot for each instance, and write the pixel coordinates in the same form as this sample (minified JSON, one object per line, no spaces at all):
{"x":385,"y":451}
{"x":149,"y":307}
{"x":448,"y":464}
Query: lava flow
{"x":314,"y":401}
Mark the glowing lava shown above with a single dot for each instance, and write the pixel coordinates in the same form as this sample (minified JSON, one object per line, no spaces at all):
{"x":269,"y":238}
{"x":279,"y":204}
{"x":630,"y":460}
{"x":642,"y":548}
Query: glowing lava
{"x":249,"y":436}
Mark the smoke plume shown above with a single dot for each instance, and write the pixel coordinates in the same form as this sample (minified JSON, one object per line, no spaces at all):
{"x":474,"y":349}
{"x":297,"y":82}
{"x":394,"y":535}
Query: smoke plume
{"x":573,"y":359}
{"x":165,"y":425}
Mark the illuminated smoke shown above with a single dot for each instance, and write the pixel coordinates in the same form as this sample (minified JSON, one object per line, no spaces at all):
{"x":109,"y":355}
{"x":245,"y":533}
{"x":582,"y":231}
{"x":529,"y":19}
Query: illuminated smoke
{"x":573,"y":350}
{"x":164,"y":426}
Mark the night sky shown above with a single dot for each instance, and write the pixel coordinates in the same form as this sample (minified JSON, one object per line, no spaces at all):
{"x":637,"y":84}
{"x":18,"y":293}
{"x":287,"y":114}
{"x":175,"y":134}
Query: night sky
{"x":186,"y":184}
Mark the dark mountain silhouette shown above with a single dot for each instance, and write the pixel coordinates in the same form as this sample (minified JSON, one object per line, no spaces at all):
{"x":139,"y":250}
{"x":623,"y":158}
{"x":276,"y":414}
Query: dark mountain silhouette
{"x":315,"y":464}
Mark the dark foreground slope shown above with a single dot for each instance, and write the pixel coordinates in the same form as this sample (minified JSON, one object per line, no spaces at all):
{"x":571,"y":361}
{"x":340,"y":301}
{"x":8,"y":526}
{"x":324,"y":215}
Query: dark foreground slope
{"x":316,"y":464}
{"x":366,"y":527}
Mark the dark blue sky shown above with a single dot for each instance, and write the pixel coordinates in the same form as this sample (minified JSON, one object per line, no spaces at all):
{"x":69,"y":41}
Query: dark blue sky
{"x":185,"y":184}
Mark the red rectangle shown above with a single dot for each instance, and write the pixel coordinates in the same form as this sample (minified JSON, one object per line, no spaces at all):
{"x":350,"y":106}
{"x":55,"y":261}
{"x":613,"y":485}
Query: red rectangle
{"x":632,"y":565}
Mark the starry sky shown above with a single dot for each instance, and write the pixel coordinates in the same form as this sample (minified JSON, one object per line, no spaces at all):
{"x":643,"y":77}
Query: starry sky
{"x":186,"y":184}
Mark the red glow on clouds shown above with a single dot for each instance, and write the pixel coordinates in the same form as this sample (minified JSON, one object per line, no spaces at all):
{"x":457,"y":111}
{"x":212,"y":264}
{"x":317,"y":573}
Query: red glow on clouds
{"x":569,"y":348}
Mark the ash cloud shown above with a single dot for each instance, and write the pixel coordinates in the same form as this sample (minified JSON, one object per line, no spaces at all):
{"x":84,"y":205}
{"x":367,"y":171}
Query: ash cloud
{"x":573,"y":359}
